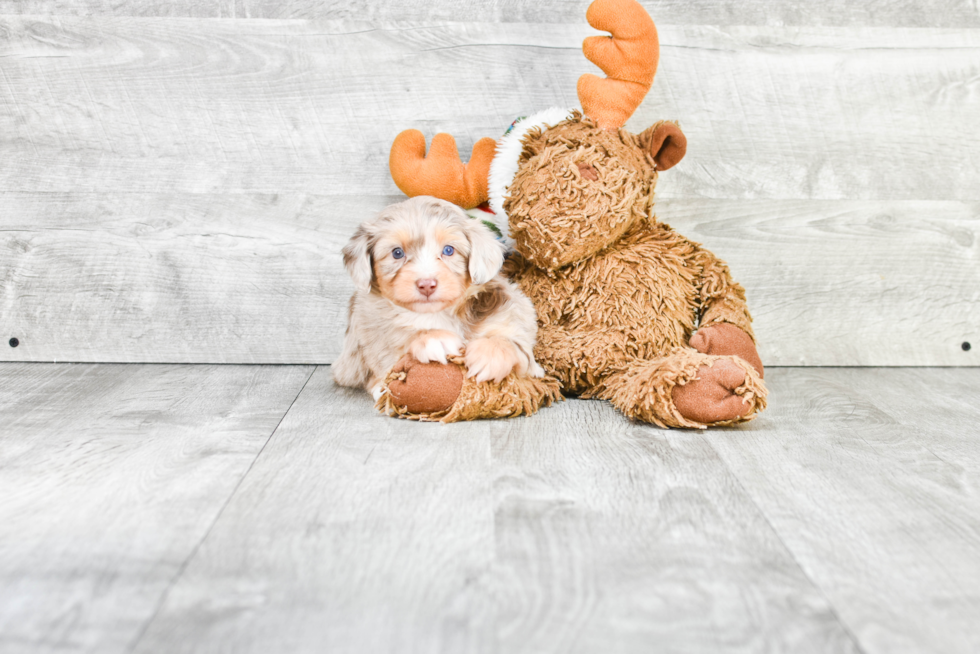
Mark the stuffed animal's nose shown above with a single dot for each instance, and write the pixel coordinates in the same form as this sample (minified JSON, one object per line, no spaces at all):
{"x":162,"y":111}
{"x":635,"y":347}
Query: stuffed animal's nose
{"x":427,"y":286}
{"x":588,"y":172}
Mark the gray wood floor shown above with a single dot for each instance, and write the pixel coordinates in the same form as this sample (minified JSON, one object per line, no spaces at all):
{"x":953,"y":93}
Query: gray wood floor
{"x":180,"y":508}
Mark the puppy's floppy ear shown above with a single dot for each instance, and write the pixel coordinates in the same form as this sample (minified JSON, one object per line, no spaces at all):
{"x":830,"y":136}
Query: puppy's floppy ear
{"x":357,"y":259}
{"x":486,"y":252}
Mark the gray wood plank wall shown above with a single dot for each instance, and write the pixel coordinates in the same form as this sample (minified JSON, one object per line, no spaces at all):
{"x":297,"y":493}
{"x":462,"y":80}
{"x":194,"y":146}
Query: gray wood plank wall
{"x":175,"y":189}
{"x":882,"y":13}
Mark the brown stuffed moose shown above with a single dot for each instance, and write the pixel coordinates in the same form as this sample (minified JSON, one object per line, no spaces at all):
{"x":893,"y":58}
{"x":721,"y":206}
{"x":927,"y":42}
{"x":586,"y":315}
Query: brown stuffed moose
{"x":628,"y":310}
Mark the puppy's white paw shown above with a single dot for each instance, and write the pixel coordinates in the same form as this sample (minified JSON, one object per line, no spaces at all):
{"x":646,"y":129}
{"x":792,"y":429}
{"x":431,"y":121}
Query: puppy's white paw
{"x":492,"y":358}
{"x":376,"y":392}
{"x":435,"y":345}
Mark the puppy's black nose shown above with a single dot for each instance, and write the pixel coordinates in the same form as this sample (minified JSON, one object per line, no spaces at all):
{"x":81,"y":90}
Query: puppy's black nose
{"x":427,"y":286}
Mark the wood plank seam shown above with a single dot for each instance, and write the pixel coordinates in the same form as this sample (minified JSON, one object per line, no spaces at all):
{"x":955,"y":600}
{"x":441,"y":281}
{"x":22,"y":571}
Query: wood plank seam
{"x":183,"y":566}
{"x":833,"y":609}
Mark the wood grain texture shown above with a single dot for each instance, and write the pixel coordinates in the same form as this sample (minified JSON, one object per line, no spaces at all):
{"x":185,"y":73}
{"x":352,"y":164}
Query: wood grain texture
{"x":353,"y":532}
{"x":173,"y":105}
{"x":845,"y":518}
{"x":562,"y":532}
{"x":178,"y":189}
{"x":258,"y":278}
{"x":871,"y":479}
{"x":619,"y":537}
{"x":849,"y":283}
{"x":110,"y":476}
{"x":884,"y":13}
{"x":176,"y":278}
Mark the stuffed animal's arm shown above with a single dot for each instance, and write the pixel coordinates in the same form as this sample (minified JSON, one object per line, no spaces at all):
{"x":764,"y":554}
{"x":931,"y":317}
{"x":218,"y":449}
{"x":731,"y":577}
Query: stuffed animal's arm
{"x":725,"y":325}
{"x":721,"y":299}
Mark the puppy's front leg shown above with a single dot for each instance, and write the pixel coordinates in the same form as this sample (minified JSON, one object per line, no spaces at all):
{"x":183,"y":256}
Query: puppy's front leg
{"x":503,"y":341}
{"x":435,"y":345}
{"x":494,"y":358}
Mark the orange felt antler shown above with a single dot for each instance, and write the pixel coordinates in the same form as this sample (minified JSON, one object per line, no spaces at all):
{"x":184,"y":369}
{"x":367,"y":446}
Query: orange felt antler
{"x":442,"y":173}
{"x":628,"y":58}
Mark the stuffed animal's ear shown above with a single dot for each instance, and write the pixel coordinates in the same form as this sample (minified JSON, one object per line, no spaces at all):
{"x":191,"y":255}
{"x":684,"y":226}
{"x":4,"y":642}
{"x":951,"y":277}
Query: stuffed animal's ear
{"x":666,"y":143}
{"x":486,"y":252}
{"x":357,"y":259}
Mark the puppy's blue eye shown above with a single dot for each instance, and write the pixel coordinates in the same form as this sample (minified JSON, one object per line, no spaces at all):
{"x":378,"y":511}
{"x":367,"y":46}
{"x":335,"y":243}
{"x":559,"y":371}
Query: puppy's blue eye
{"x":397,"y":253}
{"x":448,"y":250}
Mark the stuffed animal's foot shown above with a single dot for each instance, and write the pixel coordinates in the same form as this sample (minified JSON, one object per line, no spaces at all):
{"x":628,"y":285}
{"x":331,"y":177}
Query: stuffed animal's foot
{"x":422,"y":388}
{"x":722,"y":338}
{"x":443,"y":392}
{"x":687,"y":389}
{"x":712,"y":397}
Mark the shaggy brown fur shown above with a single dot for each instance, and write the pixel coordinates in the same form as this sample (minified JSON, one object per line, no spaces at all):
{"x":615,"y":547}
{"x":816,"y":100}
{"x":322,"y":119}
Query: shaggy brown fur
{"x":557,"y":214}
{"x":618,"y":295}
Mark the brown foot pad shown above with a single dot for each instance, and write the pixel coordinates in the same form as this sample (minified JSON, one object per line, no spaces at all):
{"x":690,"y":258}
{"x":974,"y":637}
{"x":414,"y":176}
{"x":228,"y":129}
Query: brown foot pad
{"x":724,"y":393}
{"x":710,"y":397}
{"x":722,"y":338}
{"x":424,"y":387}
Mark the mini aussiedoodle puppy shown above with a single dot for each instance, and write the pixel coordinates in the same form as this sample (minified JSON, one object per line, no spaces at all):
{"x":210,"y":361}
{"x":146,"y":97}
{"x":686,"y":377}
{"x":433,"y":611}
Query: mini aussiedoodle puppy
{"x":428,"y":283}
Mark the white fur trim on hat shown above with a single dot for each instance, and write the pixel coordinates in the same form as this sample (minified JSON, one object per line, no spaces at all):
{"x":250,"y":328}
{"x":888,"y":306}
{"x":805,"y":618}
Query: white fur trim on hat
{"x":504,"y":166}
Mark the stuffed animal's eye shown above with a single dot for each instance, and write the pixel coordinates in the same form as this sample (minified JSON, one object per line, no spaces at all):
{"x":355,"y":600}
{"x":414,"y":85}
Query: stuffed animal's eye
{"x":397,"y":253}
{"x":448,"y":250}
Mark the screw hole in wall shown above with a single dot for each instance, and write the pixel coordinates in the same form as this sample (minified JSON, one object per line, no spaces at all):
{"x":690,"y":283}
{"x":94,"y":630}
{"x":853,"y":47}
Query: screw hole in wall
{"x":14,"y":342}
{"x":966,"y":346}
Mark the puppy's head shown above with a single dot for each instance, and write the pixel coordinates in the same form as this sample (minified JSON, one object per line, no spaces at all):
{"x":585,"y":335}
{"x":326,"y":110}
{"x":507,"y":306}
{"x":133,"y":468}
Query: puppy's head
{"x":422,"y":254}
